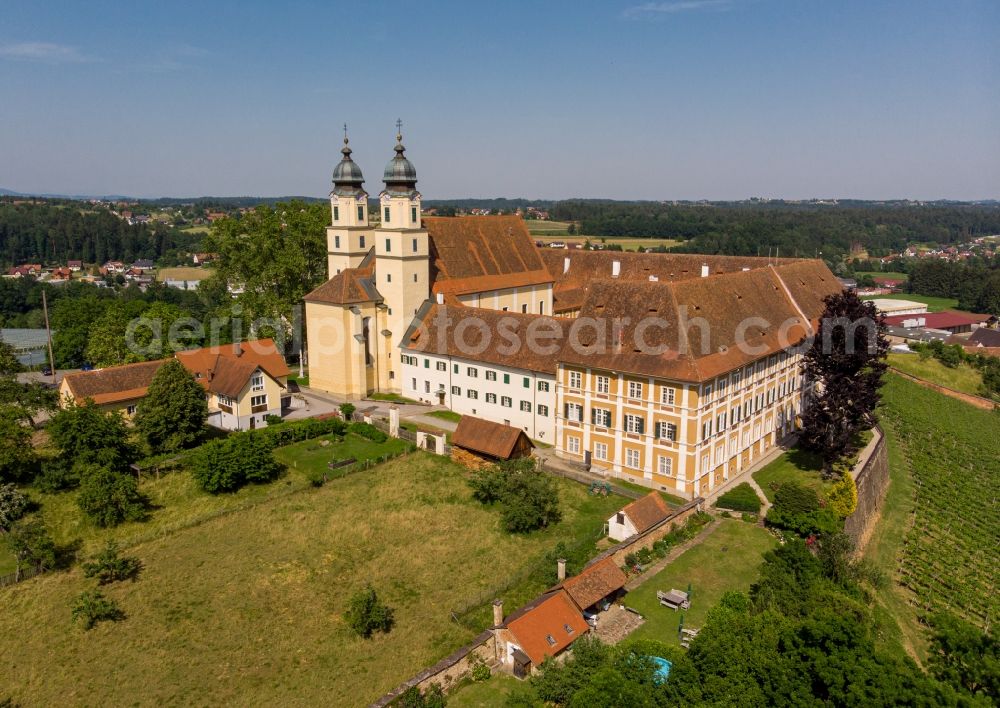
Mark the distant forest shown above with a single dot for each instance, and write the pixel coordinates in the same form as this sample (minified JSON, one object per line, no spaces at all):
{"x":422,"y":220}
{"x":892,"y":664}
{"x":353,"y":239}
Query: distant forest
{"x":56,"y":231}
{"x":53,"y":231}
{"x":790,"y":229}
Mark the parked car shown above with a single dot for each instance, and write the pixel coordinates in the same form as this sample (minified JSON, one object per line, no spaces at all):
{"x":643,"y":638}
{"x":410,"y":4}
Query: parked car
{"x":87,"y":367}
{"x":46,"y":371}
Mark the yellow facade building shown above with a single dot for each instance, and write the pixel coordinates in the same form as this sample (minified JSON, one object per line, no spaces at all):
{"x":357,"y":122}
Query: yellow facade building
{"x":677,"y":371}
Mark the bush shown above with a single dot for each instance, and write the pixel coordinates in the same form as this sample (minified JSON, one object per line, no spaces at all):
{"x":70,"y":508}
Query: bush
{"x":109,"y":567}
{"x":13,"y":505}
{"x":843,"y":498}
{"x":109,"y":498}
{"x":480,"y":670}
{"x":92,"y":607}
{"x":433,"y":697}
{"x":797,"y":509}
{"x":286,"y":433}
{"x":57,"y":475}
{"x":226,"y":465}
{"x":366,"y":614}
{"x":367,"y":430}
{"x":742,"y":497}
{"x":528,"y":497}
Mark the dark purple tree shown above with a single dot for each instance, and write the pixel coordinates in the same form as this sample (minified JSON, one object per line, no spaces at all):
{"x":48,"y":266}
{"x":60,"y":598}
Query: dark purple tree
{"x":845,"y":365}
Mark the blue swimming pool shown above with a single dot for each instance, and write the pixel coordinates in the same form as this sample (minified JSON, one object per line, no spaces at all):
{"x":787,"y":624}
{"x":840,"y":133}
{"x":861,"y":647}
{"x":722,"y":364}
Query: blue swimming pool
{"x":662,"y":669}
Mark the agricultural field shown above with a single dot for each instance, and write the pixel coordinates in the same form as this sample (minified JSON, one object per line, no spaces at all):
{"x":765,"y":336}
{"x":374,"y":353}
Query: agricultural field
{"x":951,"y":451}
{"x":628,"y":244}
{"x":879,"y":274}
{"x":538,"y":227}
{"x":963,"y":377}
{"x":246,"y":606}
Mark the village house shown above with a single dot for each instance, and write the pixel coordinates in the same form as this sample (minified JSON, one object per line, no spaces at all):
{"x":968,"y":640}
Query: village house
{"x":74,"y":266}
{"x":244,"y":383}
{"x":638,"y":517}
{"x":29,"y":270}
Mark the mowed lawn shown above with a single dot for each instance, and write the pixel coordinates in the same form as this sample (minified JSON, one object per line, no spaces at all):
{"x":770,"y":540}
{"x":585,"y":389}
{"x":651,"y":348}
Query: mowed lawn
{"x":795,"y":465}
{"x":728,"y":559}
{"x":962,"y":378}
{"x":247,"y":607}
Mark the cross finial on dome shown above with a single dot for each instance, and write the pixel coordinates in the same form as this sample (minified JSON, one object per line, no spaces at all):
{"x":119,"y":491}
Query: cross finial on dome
{"x":399,"y":129}
{"x":345,"y":133}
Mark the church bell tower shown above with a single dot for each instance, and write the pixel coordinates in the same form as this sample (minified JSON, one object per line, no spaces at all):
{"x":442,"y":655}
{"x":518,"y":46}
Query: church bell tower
{"x":401,"y":244}
{"x":349,"y":235}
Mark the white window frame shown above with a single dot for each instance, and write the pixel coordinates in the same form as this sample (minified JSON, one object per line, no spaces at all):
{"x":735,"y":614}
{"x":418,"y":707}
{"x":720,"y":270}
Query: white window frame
{"x":575,"y":379}
{"x":633,"y":459}
{"x":635,"y":390}
{"x":603,"y":384}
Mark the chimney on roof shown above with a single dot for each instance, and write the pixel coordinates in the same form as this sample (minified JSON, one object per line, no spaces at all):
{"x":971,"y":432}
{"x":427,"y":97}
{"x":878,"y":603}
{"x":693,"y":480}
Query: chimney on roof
{"x":497,"y":612}
{"x":238,"y":349}
{"x":566,"y":264}
{"x":440,"y":298}
{"x":616,"y":268}
{"x":561,"y":569}
{"x":704,"y":270}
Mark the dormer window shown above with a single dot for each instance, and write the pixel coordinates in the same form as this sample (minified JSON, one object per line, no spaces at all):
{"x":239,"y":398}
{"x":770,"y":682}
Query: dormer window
{"x":550,"y":639}
{"x":569,"y":630}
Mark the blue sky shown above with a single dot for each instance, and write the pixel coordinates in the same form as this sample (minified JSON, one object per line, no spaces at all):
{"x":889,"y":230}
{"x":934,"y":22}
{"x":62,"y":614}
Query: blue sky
{"x":682,"y":99}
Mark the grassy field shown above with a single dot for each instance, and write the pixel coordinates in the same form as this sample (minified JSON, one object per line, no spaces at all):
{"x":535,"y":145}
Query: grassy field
{"x":947,"y":558}
{"x":201,"y":229}
{"x":795,"y":465}
{"x":728,"y":559}
{"x":934,"y":304}
{"x":879,"y":274}
{"x":450,"y":416}
{"x":962,"y":378}
{"x":485,"y":694}
{"x":391,"y":397}
{"x":537,"y":227}
{"x":176,"y":502}
{"x":629,"y":244}
{"x":247,"y":607}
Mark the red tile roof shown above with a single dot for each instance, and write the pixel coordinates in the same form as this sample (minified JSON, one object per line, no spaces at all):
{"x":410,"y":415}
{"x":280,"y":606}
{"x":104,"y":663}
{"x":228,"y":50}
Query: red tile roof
{"x":646,"y":512}
{"x":596,"y":582}
{"x":486,"y":437}
{"x":480,"y":253}
{"x":548,"y":627}
{"x":114,"y":384}
{"x":227,"y":368}
{"x":485,"y":336}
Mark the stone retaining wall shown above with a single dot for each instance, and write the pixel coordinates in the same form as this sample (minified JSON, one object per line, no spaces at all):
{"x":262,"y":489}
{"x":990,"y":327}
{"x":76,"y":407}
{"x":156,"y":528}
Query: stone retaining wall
{"x":871,"y":476}
{"x":449,"y":670}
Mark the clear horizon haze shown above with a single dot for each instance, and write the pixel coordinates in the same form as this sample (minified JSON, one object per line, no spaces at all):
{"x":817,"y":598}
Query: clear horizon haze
{"x":681,"y":99}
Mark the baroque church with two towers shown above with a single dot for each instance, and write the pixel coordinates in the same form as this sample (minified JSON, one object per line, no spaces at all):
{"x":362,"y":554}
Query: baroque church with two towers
{"x":440,"y":310}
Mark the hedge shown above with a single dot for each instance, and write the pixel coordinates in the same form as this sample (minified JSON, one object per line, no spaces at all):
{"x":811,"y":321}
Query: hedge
{"x":742,"y":497}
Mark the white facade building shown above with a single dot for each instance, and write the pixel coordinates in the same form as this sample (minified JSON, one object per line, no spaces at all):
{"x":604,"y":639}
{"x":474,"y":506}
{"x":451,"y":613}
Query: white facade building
{"x":517,"y":397}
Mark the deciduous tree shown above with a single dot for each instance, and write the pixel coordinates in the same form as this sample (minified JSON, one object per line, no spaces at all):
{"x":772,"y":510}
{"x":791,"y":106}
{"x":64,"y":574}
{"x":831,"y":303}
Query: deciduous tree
{"x":109,"y":498}
{"x":172,"y":415}
{"x":845,"y":363}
